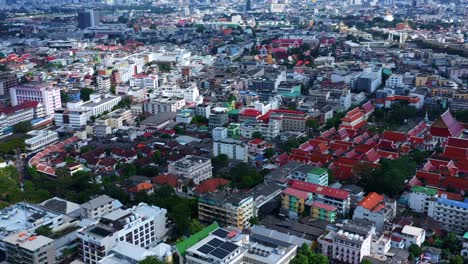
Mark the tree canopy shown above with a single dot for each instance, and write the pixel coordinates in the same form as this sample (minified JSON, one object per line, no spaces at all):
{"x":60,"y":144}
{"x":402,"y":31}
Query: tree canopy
{"x":389,"y":178}
{"x":306,"y":256}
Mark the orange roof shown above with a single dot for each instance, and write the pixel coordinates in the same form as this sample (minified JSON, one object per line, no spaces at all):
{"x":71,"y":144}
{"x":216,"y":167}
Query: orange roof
{"x":211,"y":185}
{"x":371,"y":201}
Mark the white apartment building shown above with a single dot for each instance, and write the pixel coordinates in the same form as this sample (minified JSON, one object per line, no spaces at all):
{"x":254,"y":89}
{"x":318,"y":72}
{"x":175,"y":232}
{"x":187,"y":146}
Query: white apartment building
{"x":145,"y":81}
{"x":268,"y":130}
{"x":103,"y":84}
{"x":420,"y":197}
{"x":194,"y":168}
{"x":395,"y":80}
{"x":43,"y":93}
{"x":203,"y":110}
{"x":24,"y":112}
{"x":413,"y":235}
{"x":99,"y":206}
{"x":219,"y":133}
{"x":377,"y":209}
{"x":350,"y":243}
{"x":143,"y":225}
{"x":177,"y":56}
{"x":452,"y":215}
{"x":163,"y":105}
{"x":71,"y":118}
{"x":234,"y":149}
{"x":40,"y":139}
{"x":97,"y":105}
{"x":28,"y":248}
{"x":190,"y":93}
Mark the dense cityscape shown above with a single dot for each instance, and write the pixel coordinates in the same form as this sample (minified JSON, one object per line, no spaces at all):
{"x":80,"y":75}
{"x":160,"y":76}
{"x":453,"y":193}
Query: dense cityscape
{"x":233,"y":132}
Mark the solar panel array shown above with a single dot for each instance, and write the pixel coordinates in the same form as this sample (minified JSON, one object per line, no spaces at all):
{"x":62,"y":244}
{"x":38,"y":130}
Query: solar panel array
{"x":220,"y":233}
{"x":217,"y":247}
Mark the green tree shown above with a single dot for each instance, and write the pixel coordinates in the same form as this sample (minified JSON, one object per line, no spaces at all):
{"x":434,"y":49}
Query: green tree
{"x":269,"y":152}
{"x":219,"y":162}
{"x":195,"y":226}
{"x":415,"y":251}
{"x":22,"y":127}
{"x":257,"y":134}
{"x":85,"y":93}
{"x":112,"y":89}
{"x":179,"y":129}
{"x":366,"y":261}
{"x":306,"y":256}
{"x":44,"y":231}
{"x":64,"y":96}
{"x":456,"y":260}
{"x":313,"y":124}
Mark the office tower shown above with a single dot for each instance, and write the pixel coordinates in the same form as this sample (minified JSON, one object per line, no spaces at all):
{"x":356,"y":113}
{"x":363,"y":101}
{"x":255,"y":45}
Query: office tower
{"x":89,"y":18}
{"x":248,"y":5}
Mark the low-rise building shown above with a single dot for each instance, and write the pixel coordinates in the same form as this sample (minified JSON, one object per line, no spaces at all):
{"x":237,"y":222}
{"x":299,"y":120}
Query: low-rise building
{"x":452,"y":215}
{"x":234,"y":209}
{"x":268,"y":130}
{"x":192,"y":168}
{"x":377,"y":209}
{"x":143,"y":225}
{"x":420,"y":198}
{"x":310,"y":173}
{"x":219,"y":133}
{"x":349,"y":242}
{"x":71,"y":118}
{"x":26,"y":217}
{"x":99,"y":206}
{"x":313,"y":192}
{"x":229,"y":245}
{"x":163,"y":105}
{"x":40,"y":139}
{"x":27,"y":248}
{"x":234,"y":149}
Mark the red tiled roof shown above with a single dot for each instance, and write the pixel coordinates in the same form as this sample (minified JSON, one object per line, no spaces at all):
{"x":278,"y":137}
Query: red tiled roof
{"x":372,"y":201}
{"x":144,"y":186}
{"x":318,"y":189}
{"x":22,"y":106}
{"x":256,"y":141}
{"x":296,"y":193}
{"x":394,"y":136}
{"x":368,"y":107}
{"x":251,"y":113}
{"x":168,"y":179}
{"x":446,"y":126}
{"x":458,"y":142}
{"x":211,"y":185}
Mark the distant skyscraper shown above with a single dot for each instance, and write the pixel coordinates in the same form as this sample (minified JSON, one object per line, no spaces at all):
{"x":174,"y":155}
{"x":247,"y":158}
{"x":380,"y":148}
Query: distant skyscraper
{"x":248,"y":5}
{"x":89,"y":18}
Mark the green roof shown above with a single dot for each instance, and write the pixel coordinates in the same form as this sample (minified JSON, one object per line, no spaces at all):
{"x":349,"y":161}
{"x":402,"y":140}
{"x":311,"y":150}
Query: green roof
{"x":318,"y":171}
{"x":195,"y":238}
{"x":465,"y":236}
{"x":425,"y":190}
{"x":234,"y":112}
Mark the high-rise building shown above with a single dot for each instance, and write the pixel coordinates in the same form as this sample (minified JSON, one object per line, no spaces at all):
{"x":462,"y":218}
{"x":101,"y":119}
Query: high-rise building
{"x":248,"y":5}
{"x":43,"y":93}
{"x":89,"y":18}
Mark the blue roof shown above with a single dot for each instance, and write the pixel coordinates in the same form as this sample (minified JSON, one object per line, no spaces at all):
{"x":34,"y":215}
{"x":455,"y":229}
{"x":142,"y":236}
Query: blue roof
{"x":463,"y":204}
{"x":259,"y":158}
